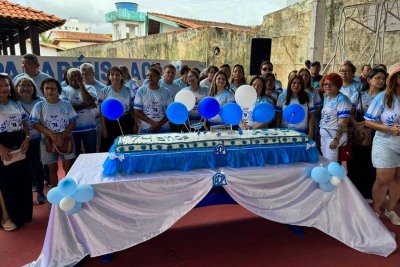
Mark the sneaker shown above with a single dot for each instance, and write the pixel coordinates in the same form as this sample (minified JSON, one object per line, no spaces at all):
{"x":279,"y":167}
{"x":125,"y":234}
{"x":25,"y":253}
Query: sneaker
{"x":34,"y":188}
{"x":8,"y":225}
{"x":392,"y":215}
{"x":41,"y":199}
{"x":369,"y":201}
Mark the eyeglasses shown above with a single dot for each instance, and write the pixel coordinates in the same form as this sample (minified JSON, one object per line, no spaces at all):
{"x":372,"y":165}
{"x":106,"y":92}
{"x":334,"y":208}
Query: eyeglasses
{"x":382,"y":78}
{"x":50,"y":88}
{"x":192,"y":78}
{"x":344,"y":71}
{"x":25,"y":85}
{"x":398,"y":75}
{"x":267,"y":69}
{"x":327,"y":84}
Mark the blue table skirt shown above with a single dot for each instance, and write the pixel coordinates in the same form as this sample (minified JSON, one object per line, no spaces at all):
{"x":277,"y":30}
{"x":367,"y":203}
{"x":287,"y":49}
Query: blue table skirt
{"x":236,"y":157}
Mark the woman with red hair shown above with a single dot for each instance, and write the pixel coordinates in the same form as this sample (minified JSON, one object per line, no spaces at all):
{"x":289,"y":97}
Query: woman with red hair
{"x":335,"y":116}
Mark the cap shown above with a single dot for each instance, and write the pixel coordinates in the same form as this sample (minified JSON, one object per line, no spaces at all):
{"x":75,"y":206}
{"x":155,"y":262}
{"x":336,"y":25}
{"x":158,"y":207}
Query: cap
{"x":316,"y":63}
{"x":392,"y":71}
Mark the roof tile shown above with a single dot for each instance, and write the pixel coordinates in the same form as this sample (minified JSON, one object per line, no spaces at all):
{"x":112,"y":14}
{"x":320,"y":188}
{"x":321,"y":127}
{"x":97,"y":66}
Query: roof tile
{"x":10,"y":10}
{"x":193,"y":23}
{"x":83,"y":36}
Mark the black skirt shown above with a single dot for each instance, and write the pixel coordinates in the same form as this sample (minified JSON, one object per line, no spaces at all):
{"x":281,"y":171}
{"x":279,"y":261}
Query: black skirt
{"x":16,"y":182}
{"x":126,"y":121}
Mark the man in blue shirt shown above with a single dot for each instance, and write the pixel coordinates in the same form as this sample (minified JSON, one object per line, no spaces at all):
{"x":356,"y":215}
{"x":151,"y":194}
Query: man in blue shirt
{"x":30,"y":66}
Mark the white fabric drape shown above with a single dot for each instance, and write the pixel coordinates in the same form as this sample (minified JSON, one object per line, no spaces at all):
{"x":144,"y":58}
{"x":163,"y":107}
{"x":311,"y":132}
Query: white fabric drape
{"x":128,"y":210}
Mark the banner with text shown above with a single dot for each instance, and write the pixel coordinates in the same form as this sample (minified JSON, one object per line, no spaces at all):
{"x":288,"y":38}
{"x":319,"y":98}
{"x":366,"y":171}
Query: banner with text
{"x":55,"y":66}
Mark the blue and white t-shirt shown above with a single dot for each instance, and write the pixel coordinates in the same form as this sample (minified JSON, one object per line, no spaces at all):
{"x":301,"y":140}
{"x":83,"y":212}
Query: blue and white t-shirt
{"x":366,"y":100}
{"x":307,"y":107}
{"x":181,"y":83}
{"x":11,"y":116}
{"x":225,"y":97}
{"x":351,"y":89}
{"x":125,"y":95}
{"x":173,"y":87}
{"x":154,"y":105}
{"x":316,"y":97}
{"x":38,"y":80}
{"x":333,"y":110}
{"x":378,"y":111}
{"x":86,"y":117}
{"x":99,"y":87}
{"x":56,"y":117}
{"x":199,"y":94}
{"x":34,"y":134}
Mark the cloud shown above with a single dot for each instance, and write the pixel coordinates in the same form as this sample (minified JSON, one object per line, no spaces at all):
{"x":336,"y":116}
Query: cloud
{"x":239,"y":12}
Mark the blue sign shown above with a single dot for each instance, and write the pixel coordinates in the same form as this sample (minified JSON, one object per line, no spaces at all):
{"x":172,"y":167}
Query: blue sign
{"x":219,"y":179}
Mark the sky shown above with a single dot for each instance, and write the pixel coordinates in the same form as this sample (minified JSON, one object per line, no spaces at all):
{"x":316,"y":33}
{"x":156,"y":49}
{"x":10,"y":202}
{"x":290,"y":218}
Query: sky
{"x":240,"y":12}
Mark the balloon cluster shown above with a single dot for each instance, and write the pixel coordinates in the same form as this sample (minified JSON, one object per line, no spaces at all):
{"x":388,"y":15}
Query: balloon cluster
{"x":70,"y":196}
{"x":329,"y":178}
{"x":230,"y":113}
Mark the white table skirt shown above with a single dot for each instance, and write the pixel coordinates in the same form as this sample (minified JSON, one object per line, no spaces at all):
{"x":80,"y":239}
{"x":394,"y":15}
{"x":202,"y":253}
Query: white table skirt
{"x":130,"y":209}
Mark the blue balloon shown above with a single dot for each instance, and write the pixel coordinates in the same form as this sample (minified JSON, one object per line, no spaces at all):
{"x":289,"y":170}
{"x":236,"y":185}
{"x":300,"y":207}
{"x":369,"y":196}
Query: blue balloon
{"x":84,"y":193}
{"x":335,"y":169}
{"x":208,"y":107}
{"x":263,"y":112}
{"x":294,"y":113}
{"x":67,"y":187}
{"x":177,"y":113}
{"x":320,"y":175}
{"x":112,"y":108}
{"x":327,"y":187}
{"x":231,"y":113}
{"x":54,"y":196}
{"x":76,"y":208}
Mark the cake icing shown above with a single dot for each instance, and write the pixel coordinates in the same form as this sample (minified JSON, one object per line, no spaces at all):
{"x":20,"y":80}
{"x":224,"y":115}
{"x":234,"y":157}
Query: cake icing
{"x":182,"y":141}
{"x":195,"y":150}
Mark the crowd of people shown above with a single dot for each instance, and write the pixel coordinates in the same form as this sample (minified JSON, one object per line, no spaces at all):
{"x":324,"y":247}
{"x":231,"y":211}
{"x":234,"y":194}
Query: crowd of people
{"x":36,"y":108}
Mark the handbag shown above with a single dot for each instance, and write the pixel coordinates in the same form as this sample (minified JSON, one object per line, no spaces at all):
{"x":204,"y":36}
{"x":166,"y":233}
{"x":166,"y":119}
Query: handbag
{"x":65,"y":147}
{"x":16,"y":155}
{"x":345,"y":152}
{"x":360,"y":135}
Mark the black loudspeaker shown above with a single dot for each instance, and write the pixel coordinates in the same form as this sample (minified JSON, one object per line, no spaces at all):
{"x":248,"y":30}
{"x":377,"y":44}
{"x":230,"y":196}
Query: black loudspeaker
{"x":260,"y":51}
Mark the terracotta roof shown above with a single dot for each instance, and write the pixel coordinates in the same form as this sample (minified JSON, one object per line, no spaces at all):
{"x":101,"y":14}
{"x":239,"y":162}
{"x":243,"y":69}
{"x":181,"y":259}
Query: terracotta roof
{"x":193,"y":23}
{"x":13,"y":16}
{"x":82,"y":36}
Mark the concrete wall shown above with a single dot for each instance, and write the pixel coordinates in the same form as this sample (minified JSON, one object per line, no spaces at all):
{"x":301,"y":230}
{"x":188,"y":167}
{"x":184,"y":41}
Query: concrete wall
{"x":357,"y":46}
{"x":194,"y":44}
{"x":289,"y":29}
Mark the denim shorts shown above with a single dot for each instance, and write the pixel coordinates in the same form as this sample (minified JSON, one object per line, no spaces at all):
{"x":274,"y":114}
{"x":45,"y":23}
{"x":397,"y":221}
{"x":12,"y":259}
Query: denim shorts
{"x":385,"y":150}
{"x":48,"y":158}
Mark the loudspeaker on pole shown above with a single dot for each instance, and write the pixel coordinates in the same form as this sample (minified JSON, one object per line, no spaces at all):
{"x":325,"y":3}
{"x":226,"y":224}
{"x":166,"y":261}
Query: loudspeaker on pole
{"x":260,"y":51}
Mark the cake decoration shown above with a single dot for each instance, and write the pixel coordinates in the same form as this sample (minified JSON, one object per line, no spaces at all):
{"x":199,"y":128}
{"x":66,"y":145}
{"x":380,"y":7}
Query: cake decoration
{"x":219,"y":179}
{"x":193,"y":150}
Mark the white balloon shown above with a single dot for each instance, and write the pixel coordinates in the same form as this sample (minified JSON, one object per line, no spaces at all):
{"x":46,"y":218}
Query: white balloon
{"x":245,"y":96}
{"x":67,"y":203}
{"x":187,"y":98}
{"x":335,"y":180}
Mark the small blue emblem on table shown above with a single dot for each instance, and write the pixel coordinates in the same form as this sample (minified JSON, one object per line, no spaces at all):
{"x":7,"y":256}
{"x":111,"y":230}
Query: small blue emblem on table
{"x":219,"y":179}
{"x":220,"y":149}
